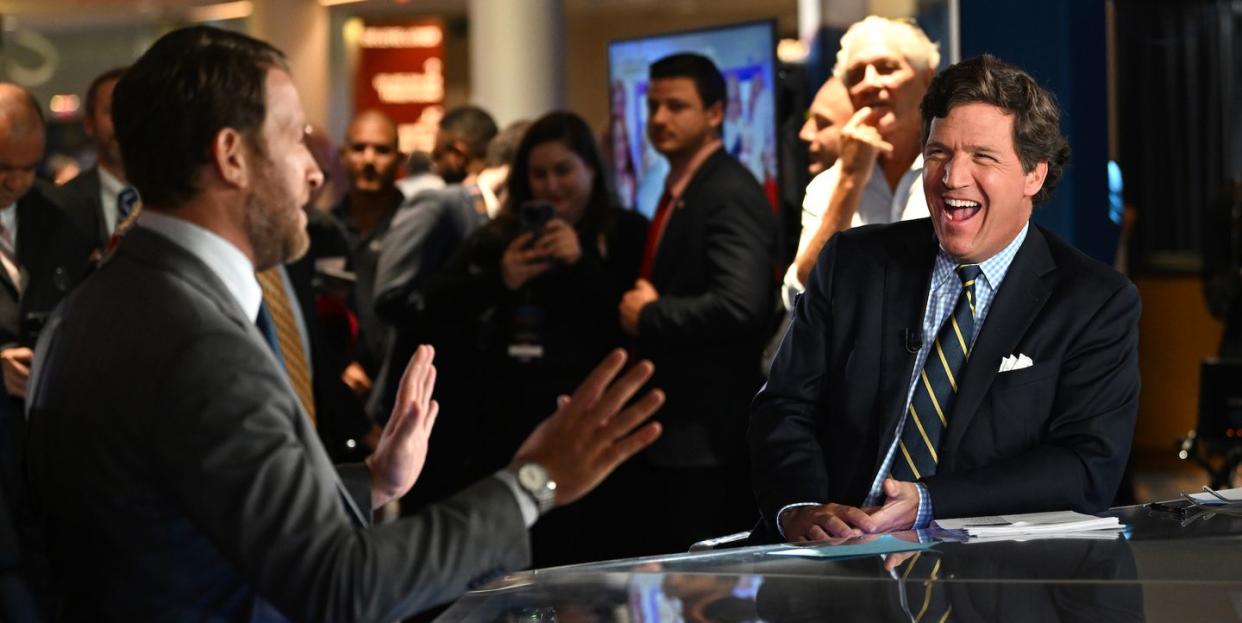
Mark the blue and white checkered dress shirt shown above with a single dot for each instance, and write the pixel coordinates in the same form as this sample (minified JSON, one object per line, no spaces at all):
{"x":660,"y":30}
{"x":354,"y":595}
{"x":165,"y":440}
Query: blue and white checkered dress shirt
{"x":946,"y":286}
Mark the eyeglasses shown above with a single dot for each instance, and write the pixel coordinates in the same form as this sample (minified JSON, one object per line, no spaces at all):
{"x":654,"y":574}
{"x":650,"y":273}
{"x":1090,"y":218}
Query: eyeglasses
{"x":1220,"y":506}
{"x":1195,"y":509}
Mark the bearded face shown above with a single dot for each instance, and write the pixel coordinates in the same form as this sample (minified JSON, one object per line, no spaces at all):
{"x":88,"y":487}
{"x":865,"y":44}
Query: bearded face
{"x":275,"y":221}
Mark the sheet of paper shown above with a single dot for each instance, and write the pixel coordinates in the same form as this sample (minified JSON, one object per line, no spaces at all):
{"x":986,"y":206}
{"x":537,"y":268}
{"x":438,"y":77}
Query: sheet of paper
{"x":861,"y":546}
{"x":1029,"y":523}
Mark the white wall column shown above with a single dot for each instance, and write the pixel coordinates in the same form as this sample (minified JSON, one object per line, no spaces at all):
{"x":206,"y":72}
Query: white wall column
{"x":835,"y":14}
{"x":300,"y":29}
{"x":516,"y":61}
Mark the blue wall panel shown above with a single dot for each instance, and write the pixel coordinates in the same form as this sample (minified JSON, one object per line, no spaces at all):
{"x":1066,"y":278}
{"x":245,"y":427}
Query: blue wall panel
{"x":1062,"y":44}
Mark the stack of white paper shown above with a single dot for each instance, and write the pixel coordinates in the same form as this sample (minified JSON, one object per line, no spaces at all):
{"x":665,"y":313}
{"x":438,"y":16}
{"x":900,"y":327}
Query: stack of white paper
{"x":1060,"y":522}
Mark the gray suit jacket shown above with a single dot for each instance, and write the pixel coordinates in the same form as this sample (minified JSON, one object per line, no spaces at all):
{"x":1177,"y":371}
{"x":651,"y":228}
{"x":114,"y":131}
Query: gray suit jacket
{"x":179,"y":478}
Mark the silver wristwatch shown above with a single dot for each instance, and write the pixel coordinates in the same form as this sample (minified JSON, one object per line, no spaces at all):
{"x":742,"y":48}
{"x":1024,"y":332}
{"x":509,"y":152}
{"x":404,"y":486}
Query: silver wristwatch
{"x":534,"y":480}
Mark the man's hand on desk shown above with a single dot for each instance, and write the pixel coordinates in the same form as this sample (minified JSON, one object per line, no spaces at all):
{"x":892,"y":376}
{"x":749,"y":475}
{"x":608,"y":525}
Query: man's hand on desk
{"x":817,"y":523}
{"x":900,"y":508}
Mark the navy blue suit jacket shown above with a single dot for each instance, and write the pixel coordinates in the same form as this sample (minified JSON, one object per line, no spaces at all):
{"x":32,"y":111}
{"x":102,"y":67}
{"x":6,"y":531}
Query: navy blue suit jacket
{"x":1055,"y":435}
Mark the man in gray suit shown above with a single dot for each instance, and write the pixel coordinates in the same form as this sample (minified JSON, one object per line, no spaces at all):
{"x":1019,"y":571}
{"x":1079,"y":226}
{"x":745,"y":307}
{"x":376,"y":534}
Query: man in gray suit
{"x":177,"y":474}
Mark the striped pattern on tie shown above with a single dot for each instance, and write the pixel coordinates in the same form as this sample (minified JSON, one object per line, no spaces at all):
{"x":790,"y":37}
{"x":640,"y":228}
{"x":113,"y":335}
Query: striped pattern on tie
{"x":934,"y":603}
{"x":936,"y":388}
{"x":297,"y":367}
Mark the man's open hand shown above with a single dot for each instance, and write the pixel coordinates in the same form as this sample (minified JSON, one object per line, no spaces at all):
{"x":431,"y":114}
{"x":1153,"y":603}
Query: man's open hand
{"x":590,"y":434}
{"x":402,"y":448}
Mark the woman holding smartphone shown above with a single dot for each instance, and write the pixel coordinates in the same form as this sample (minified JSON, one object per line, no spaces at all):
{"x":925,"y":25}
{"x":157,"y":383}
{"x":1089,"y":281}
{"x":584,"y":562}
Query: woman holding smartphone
{"x":541,"y":285}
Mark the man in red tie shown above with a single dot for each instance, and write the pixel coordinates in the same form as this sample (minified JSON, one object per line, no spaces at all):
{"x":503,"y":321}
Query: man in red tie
{"x":701,"y":310}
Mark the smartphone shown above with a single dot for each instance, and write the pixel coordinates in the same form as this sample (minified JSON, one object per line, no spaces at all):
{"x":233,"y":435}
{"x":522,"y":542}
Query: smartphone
{"x":534,"y":216}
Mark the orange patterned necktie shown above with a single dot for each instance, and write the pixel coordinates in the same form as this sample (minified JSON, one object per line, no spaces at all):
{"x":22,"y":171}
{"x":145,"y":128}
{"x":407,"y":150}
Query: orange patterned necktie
{"x":296,"y":364}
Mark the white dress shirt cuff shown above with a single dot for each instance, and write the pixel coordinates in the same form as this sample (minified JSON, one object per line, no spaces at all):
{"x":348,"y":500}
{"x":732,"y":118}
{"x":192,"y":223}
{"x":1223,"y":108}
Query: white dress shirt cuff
{"x":791,"y":287}
{"x":530,"y":510}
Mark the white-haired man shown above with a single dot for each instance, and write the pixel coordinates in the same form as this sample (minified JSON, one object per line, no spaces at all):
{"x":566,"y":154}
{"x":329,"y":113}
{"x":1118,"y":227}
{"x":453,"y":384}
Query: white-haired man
{"x":886,"y":65}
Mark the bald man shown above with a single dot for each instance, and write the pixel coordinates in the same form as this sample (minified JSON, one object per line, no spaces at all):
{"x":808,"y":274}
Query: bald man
{"x":372,"y":163}
{"x":829,"y":112}
{"x":41,"y":257}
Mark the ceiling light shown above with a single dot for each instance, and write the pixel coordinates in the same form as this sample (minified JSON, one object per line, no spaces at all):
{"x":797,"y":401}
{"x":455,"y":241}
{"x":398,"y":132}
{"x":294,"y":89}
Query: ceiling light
{"x":221,"y":11}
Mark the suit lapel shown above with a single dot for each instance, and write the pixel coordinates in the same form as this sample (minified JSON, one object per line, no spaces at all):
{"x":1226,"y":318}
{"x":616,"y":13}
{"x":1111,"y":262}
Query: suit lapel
{"x":672,"y":243}
{"x":1021,"y":297}
{"x":907,"y":280}
{"x":149,"y":247}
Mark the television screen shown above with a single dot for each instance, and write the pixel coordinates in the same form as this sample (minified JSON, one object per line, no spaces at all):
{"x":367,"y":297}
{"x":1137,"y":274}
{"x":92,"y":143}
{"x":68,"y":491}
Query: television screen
{"x":745,"y":54}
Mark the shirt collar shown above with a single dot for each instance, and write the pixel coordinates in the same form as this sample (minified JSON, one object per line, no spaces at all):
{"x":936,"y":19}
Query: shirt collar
{"x":225,"y":260}
{"x":8,"y":218}
{"x":676,"y":186}
{"x":109,"y":184}
{"x":994,"y":268}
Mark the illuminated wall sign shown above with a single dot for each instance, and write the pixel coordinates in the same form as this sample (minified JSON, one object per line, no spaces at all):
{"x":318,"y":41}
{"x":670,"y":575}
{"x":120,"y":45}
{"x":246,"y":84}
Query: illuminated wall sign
{"x":401,"y":72}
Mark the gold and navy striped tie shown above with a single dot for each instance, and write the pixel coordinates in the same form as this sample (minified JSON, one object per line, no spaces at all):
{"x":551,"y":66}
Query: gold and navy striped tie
{"x":289,"y":338}
{"x":936,"y":387}
{"x":924,"y":594}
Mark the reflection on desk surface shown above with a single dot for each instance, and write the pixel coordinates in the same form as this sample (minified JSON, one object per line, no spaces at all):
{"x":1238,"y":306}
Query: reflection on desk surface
{"x":1195,"y":569}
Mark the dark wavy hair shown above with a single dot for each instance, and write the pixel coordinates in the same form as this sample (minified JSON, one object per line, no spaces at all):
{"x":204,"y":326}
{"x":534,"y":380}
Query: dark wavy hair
{"x":1036,"y":118}
{"x":169,"y":106}
{"x":571,"y":131}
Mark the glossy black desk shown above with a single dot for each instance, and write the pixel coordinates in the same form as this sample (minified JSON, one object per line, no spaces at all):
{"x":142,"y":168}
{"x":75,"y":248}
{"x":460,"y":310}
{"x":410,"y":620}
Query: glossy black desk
{"x":1157,"y":570}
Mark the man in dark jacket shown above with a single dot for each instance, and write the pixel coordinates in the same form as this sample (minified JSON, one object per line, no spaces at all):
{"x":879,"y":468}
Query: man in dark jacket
{"x":701,"y":309}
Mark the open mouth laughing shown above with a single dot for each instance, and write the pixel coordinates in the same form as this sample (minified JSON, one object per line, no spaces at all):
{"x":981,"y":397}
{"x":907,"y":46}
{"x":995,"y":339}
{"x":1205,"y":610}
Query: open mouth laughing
{"x":958,"y":210}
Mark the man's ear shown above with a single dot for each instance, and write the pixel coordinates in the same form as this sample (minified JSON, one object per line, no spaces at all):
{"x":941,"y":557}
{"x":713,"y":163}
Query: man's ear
{"x":228,"y":157}
{"x":1035,"y":179}
{"x":88,"y":125}
{"x":715,"y":115}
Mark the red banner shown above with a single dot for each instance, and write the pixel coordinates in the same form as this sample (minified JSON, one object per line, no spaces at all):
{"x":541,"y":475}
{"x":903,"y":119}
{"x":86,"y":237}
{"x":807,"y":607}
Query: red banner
{"x":401,"y":72}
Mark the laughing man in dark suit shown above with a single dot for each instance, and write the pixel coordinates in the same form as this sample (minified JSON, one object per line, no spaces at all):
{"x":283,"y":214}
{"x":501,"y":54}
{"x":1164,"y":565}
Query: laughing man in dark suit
{"x":970,"y":364}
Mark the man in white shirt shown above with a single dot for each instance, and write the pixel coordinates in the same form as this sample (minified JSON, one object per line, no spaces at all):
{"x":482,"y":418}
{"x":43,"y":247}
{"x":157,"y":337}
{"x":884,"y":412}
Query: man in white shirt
{"x":886,"y":66}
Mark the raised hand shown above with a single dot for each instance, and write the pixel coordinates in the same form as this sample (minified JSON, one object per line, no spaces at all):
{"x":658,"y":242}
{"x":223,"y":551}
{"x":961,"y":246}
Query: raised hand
{"x":590,"y":434}
{"x":402,"y":448}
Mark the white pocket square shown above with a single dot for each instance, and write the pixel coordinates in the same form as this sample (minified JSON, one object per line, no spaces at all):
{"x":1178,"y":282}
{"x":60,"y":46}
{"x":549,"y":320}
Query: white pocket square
{"x":1011,"y":363}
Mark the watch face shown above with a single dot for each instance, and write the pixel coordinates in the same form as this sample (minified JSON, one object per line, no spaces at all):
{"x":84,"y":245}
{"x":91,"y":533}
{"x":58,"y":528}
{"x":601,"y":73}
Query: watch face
{"x":532,"y":477}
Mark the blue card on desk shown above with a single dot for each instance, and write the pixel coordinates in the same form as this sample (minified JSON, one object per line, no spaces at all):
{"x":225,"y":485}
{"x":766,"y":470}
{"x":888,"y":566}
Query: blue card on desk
{"x":858,"y":546}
